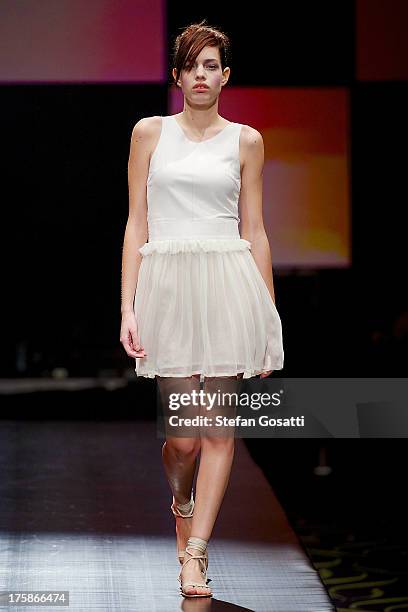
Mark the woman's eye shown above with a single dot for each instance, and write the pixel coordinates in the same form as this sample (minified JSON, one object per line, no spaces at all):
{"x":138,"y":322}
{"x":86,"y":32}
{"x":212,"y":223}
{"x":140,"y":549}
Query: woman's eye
{"x":212,"y":66}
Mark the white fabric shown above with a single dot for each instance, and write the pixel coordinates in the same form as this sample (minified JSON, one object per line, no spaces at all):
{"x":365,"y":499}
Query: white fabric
{"x":201,"y":303}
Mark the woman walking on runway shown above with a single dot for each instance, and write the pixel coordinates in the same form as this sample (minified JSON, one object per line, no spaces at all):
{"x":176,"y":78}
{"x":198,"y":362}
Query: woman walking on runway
{"x":197,"y":292}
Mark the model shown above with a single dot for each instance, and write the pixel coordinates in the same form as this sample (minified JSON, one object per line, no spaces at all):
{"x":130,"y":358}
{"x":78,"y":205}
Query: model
{"x":198,"y":303}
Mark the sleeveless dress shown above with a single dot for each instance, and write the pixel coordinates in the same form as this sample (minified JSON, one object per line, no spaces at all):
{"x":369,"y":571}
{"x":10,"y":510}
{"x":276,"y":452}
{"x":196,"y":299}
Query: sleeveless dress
{"x":201,"y":303}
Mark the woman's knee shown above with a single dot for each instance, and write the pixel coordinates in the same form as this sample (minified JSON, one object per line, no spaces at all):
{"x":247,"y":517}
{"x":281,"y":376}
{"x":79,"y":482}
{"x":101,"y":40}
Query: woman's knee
{"x":183,"y":448}
{"x":217,"y":443}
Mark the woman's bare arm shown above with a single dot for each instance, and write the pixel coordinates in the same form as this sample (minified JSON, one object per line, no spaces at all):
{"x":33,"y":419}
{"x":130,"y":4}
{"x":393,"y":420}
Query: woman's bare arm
{"x":136,"y":227}
{"x":250,"y":203}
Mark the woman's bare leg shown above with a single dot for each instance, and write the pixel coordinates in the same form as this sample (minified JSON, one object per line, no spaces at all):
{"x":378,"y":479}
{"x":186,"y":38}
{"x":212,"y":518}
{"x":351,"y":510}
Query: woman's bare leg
{"x":179,"y":453}
{"x":217,"y":453}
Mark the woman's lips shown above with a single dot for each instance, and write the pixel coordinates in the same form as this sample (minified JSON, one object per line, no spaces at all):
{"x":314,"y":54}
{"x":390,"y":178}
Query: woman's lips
{"x":200,"y":88}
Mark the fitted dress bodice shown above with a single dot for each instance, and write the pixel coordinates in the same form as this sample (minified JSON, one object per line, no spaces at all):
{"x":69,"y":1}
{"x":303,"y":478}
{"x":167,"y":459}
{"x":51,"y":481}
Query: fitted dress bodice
{"x":193,"y":187}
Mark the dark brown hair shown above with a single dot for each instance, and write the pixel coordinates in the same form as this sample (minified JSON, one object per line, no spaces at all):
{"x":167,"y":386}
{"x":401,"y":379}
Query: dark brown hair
{"x":189,"y":44}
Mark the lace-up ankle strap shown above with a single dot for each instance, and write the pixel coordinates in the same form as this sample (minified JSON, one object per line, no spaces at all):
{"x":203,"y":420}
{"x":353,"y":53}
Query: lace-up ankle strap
{"x":197,"y":543}
{"x":183,"y":510}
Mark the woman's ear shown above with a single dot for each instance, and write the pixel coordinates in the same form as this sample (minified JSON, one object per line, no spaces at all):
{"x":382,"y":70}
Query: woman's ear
{"x":174,"y":72}
{"x":226,"y":74}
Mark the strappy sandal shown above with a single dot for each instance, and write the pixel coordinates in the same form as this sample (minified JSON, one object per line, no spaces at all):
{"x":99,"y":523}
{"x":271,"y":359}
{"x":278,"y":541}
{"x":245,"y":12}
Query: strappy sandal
{"x":187,"y":514}
{"x":201,"y":545}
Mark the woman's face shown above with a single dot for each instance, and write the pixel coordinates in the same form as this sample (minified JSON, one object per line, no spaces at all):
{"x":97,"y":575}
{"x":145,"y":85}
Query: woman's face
{"x":207,"y":71}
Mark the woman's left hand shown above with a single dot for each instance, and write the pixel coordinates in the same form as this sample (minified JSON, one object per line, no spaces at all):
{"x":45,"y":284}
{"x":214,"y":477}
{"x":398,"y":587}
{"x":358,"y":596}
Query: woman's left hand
{"x":265,"y":374}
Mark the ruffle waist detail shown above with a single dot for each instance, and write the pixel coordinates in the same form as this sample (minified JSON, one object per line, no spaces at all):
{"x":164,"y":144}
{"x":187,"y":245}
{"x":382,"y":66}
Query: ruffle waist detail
{"x":194,"y":245}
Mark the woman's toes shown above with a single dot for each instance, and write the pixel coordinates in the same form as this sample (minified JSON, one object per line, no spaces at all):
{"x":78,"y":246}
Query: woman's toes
{"x":191,"y":590}
{"x":202,"y":591}
{"x":197,"y":591}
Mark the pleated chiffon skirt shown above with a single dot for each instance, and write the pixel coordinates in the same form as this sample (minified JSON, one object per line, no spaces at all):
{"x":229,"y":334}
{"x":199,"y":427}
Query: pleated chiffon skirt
{"x":203,"y":307}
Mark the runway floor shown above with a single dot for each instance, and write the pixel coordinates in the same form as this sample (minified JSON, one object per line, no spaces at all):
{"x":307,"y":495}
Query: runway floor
{"x":85,"y":508}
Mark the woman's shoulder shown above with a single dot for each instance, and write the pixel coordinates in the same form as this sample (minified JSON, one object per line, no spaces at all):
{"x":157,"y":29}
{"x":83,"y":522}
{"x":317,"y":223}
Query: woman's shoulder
{"x":148,"y":126}
{"x":251,"y":145}
{"x":147,"y":131}
{"x":250,"y":135}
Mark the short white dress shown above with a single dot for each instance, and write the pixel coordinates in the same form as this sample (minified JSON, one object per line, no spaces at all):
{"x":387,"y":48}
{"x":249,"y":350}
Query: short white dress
{"x":201,"y":303}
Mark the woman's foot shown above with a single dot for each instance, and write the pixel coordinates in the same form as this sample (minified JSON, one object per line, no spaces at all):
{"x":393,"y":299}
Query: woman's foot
{"x":193,"y":574}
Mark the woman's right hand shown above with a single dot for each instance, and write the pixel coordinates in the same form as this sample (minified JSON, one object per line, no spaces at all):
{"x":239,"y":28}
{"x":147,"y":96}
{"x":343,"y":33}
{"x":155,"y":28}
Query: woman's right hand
{"x":129,"y":336}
